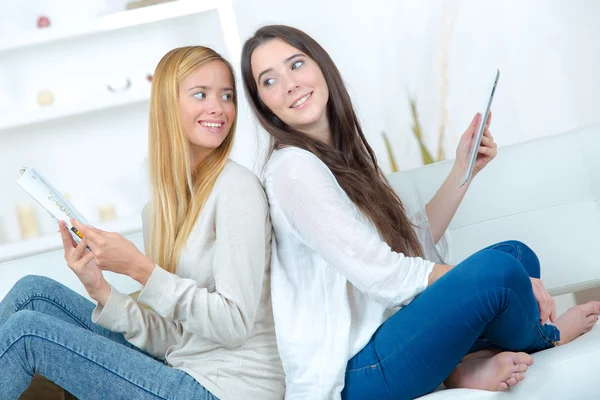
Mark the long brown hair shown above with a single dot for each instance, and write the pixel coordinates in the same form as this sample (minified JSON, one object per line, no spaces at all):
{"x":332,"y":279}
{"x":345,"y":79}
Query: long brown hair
{"x":179,"y":190}
{"x":351,"y":159}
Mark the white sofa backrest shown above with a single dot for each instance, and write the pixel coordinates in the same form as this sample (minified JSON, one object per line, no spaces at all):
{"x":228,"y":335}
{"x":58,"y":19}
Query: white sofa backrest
{"x":545,"y":192}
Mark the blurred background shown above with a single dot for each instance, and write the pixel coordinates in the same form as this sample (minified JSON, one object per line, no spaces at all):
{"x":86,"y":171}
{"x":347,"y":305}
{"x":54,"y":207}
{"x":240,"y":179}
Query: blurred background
{"x":75,"y":80}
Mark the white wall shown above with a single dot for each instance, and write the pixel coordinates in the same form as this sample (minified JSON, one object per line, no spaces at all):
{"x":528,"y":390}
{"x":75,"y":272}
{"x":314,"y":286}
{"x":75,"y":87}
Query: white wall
{"x":545,"y":51}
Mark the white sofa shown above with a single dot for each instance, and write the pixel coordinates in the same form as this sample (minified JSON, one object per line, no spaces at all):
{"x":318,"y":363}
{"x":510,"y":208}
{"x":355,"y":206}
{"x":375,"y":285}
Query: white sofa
{"x":545,"y":193}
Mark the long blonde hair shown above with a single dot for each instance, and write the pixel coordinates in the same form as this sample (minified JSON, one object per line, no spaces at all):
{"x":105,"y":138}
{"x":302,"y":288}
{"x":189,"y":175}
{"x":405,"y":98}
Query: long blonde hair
{"x":178,"y":189}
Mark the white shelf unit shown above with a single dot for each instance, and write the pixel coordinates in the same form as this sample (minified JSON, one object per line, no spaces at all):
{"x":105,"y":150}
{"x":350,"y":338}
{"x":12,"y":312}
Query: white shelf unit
{"x":109,"y":24}
{"x":47,"y":114}
{"x":91,"y":119}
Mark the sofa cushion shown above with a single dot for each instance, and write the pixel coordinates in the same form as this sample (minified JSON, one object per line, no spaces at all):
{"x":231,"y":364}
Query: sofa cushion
{"x":564,"y":372}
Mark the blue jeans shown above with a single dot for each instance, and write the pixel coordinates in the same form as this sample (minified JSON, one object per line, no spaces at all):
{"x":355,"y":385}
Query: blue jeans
{"x":486,"y":301}
{"x":46,"y":328}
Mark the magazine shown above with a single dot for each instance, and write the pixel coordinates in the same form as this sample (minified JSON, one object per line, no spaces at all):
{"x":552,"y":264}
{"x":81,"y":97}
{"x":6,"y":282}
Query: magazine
{"x":51,"y":199}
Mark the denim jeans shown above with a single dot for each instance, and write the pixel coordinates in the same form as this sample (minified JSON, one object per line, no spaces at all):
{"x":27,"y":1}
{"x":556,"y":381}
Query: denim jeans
{"x":486,"y":301}
{"x":46,"y":328}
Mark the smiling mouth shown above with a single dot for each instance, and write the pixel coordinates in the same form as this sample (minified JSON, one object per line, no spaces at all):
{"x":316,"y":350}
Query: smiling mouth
{"x":213,"y":125}
{"x":301,"y":101}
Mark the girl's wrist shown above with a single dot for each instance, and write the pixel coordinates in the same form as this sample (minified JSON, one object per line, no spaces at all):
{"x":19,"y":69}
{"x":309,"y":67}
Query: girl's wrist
{"x":102,"y":293}
{"x":142,"y":270}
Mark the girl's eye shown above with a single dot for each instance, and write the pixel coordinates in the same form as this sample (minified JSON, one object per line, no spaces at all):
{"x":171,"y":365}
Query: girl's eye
{"x":269,"y":81}
{"x":200,"y":95}
{"x":227,"y":96}
{"x":297,"y":64}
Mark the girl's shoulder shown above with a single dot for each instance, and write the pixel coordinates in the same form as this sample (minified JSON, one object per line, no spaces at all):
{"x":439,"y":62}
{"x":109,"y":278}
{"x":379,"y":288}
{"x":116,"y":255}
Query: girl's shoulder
{"x":292,"y":157}
{"x":235,"y":172}
{"x":290,"y":152}
{"x":235,"y":179}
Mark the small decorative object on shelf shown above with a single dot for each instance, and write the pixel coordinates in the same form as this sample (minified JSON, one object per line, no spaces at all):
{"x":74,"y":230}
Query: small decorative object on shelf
{"x":45,"y":98}
{"x":119,"y":85}
{"x":43,"y":22}
{"x":144,"y":3}
{"x":28,"y":224}
{"x":149,"y":78}
{"x":107,"y":213}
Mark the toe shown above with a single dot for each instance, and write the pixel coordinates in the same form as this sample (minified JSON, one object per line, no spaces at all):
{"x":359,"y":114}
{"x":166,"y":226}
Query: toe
{"x":518,"y":376}
{"x":523,"y":358}
{"x":521,"y":368}
{"x":503,"y":387}
{"x":512,"y":382}
{"x":592,"y":307}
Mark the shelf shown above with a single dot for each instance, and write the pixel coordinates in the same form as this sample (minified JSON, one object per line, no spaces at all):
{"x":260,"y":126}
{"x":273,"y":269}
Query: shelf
{"x":110,"y":22}
{"x":25,"y":248}
{"x":54,"y":112}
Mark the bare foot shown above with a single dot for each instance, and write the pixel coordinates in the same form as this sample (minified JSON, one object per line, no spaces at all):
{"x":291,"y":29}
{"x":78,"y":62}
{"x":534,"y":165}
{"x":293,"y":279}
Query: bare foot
{"x":577,"y":321}
{"x":496,"y":373}
{"x":481,"y":354}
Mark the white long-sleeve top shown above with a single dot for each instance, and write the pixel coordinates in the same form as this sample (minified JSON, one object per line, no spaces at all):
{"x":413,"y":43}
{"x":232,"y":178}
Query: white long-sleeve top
{"x":334,"y":281}
{"x":212,"y":319}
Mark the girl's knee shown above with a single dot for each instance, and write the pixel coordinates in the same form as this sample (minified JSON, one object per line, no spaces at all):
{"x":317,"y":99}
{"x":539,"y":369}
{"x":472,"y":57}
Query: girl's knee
{"x":495,"y":267}
{"x":528,"y":258}
{"x":35,"y":283}
{"x":32,"y":285}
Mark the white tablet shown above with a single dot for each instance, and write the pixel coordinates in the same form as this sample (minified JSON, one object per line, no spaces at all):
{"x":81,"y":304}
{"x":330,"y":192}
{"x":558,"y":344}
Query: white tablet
{"x":473,"y":150}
